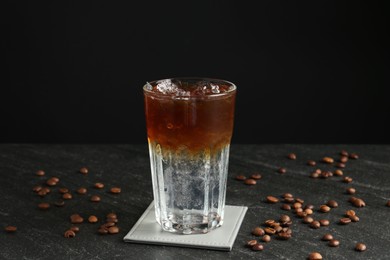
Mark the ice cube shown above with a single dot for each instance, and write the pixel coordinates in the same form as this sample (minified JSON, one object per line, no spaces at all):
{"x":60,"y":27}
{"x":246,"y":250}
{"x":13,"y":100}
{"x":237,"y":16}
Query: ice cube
{"x":166,"y":86}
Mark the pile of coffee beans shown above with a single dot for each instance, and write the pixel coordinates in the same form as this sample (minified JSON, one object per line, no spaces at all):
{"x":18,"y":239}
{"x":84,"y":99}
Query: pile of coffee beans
{"x":49,"y":186}
{"x":280,"y":229}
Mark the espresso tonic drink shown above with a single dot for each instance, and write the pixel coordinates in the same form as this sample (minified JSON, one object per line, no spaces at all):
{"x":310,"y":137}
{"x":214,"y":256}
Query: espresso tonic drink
{"x":189,"y":126}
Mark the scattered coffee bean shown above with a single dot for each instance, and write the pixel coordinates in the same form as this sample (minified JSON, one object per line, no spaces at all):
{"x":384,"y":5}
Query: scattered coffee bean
{"x":332,"y":204}
{"x":251,"y":243}
{"x":59,"y":203}
{"x":240,"y":177}
{"x":84,"y":170}
{"x":67,"y":196}
{"x":116,"y":190}
{"x":287,"y":195}
{"x":282,"y":170}
{"x":289,"y":200}
{"x":40,"y":173}
{"x":299,"y":200}
{"x":327,"y":237}
{"x":353,"y":156}
{"x":107,"y":225}
{"x":75,"y":229}
{"x":344,"y":153}
{"x":82,"y":191}
{"x":10,"y":229}
{"x":92,"y":219}
{"x":324,"y":222}
{"x":311,"y":163}
{"x":113,"y":230}
{"x":278,"y":228}
{"x":315,"y":256}
{"x":272,"y":199}
{"x":284,"y":235}
{"x":258,"y":231}
{"x":43,"y":192}
{"x":76,"y":219}
{"x":338,"y":172}
{"x":44,"y":205}
{"x":344,"y":221}
{"x":324,"y":208}
{"x":102,"y":231}
{"x":37,"y":188}
{"x":69,"y":234}
{"x":350,"y":212}
{"x":250,"y":182}
{"x":388,"y":203}
{"x":51,"y":182}
{"x":315,"y":224}
{"x":284,"y":218}
{"x":113,"y":220}
{"x":297,"y":205}
{"x":308,"y":211}
{"x":360,"y":247}
{"x":340,"y":165}
{"x":256,"y":176}
{"x":308,"y":220}
{"x":326,"y":174}
{"x":99,"y":185}
{"x":292,"y":156}
{"x":269,"y":230}
{"x":301,"y":214}
{"x":258,"y":247}
{"x":334,"y":243}
{"x":297,"y":210}
{"x":347,"y":179}
{"x":328,"y":160}
{"x":111,"y":215}
{"x":55,"y":179}
{"x":314,"y":175}
{"x":344,"y":159}
{"x":95,"y":198}
{"x":63,"y":190}
{"x":266,"y":238}
{"x":359,"y":203}
{"x":309,"y":206}
{"x":354,"y":218}
{"x":351,"y":190}
{"x":285,"y":207}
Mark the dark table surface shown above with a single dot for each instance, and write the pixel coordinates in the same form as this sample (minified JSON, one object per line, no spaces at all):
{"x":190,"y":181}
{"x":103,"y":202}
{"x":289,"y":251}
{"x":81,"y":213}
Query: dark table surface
{"x":40,"y":232}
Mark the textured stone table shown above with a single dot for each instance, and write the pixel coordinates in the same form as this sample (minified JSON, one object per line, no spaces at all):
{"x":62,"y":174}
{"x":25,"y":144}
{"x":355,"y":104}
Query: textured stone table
{"x":40,"y":233}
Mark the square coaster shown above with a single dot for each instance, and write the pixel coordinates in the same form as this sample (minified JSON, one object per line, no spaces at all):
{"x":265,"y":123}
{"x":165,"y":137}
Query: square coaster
{"x":148,"y":231}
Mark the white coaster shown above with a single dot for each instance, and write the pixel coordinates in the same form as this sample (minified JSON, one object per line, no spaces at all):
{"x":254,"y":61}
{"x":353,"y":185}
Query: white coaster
{"x":148,"y":231}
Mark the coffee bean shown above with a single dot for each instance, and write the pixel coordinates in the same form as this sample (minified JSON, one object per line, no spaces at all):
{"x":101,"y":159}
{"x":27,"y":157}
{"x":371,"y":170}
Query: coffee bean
{"x":311,"y":163}
{"x":299,"y":200}
{"x":63,"y":190}
{"x":347,"y":179}
{"x":102,"y":231}
{"x":240,"y":177}
{"x":258,"y":231}
{"x":76,"y":219}
{"x":292,"y":156}
{"x":37,"y":188}
{"x":42,"y":192}
{"x":334,"y":243}
{"x":272,"y":199}
{"x":344,"y":221}
{"x":55,"y":179}
{"x":286,"y":224}
{"x":59,"y":203}
{"x":324,"y":222}
{"x":284,"y":235}
{"x":327,"y":237}
{"x":297,"y":205}
{"x":10,"y":229}
{"x":343,"y":159}
{"x":340,"y":165}
{"x":350,"y":212}
{"x":354,"y":218}
{"x":95,"y":198}
{"x":358,"y":203}
{"x":309,"y":206}
{"x":328,"y":160}
{"x":315,"y":256}
{"x":282,"y":170}
{"x":82,"y":191}
{"x":308,"y":220}
{"x":287,"y":230}
{"x":360,"y":247}
{"x":284,"y":218}
{"x":344,"y":153}
{"x":269,"y":222}
{"x":111,"y":215}
{"x":308,"y":211}
{"x":84,"y":170}
{"x":99,"y":185}
{"x":51,"y":182}
{"x":40,"y":173}
{"x":301,"y":214}
{"x":69,"y":234}
{"x":75,"y":229}
{"x":250,"y":182}
{"x":67,"y":196}
{"x":297,"y":210}
{"x":92,"y":219}
{"x":351,"y":190}
{"x":258,"y":247}
{"x":289,"y":200}
{"x":324,"y":208}
{"x":314,"y":175}
{"x":113,"y":220}
{"x":269,"y":230}
{"x":285,"y":207}
{"x":278,"y":228}
{"x":113,"y":230}
{"x":287,"y":195}
{"x":266,"y":238}
{"x":43,"y":205}
{"x":388,"y":203}
{"x":332,"y":204}
{"x":338,"y":172}
{"x":353,"y":156}
{"x":256,"y":176}
{"x":251,"y":243}
{"x":116,"y":190}
{"x":315,"y":224}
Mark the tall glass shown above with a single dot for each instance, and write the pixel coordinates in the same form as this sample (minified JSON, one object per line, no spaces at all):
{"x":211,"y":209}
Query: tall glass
{"x":189,"y":126}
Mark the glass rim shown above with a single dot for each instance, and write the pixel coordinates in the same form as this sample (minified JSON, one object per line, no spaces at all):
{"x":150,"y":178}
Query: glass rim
{"x":232,"y":88}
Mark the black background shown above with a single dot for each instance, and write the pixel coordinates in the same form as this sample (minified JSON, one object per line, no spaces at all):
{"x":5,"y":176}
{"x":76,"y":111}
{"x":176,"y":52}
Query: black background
{"x":306,"y":72}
